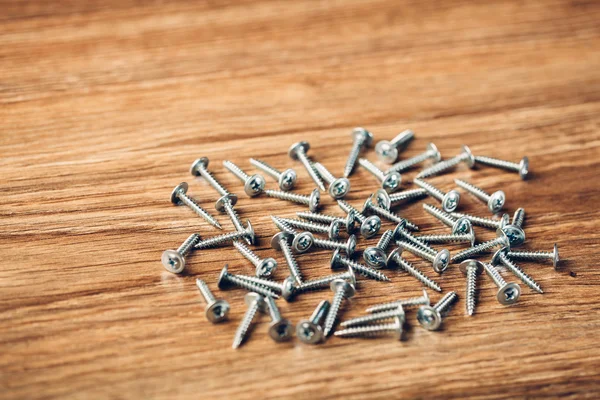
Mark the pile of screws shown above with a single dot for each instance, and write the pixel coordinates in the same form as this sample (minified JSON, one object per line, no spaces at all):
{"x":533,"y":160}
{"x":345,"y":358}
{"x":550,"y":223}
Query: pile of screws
{"x":297,"y":236}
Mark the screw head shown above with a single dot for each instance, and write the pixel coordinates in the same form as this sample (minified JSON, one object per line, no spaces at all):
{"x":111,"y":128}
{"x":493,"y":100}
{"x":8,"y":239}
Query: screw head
{"x":524,"y":168}
{"x":198,"y":165}
{"x":334,"y":262}
{"x":252,"y":297}
{"x":303,"y":242}
{"x":293,"y":150}
{"x":255,"y":185}
{"x":351,"y":221}
{"x":339,"y":188}
{"x":288,"y":237}
{"x":173,"y":261}
{"x":462,"y":225}
{"x":465,"y":265}
{"x":281,"y":330}
{"x":362,"y":133}
{"x":217,"y":311}
{"x":555,"y":257}
{"x":287,"y":179}
{"x":289,"y":289}
{"x":314,"y":200}
{"x":429,"y":318}
{"x":450,"y":201}
{"x":508,"y":294}
{"x":309,"y":332}
{"x":222,"y":280}
{"x":334,"y":229}
{"x":266,"y":267}
{"x":391,"y":182}
{"x":504,"y":220}
{"x":386,"y":151}
{"x":441,"y":260}
{"x":400,"y":227}
{"x":375,"y":257}
{"x":391,"y":258}
{"x":182,"y":187}
{"x":398,"y":321}
{"x":352,"y":276}
{"x":250,"y":236}
{"x":432,"y":148}
{"x":351,"y":245}
{"x":501,"y":234}
{"x":496,"y":257}
{"x":426,"y":296}
{"x":370,"y":226}
{"x":470,"y":159}
{"x":496,"y":201}
{"x":341,"y":285}
{"x":220,"y":204}
{"x":516,"y":235}
{"x":383,"y":199}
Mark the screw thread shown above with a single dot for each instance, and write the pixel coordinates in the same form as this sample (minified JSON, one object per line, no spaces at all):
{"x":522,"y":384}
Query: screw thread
{"x":246,"y":282}
{"x":353,"y":156}
{"x":432,"y":190}
{"x":471,"y":289}
{"x":347,"y":208}
{"x":247,"y":252}
{"x":406,"y":164}
{"x":266,"y":168}
{"x":322,"y":283}
{"x":494,"y":275}
{"x":391,"y":216}
{"x":291,"y":261}
{"x":417,"y":274}
{"x":289,"y":196}
{"x":329,"y":244}
{"x":398,"y":312}
{"x":367,"y":331}
{"x":195,"y":207}
{"x":372,"y":168}
{"x":455,"y":238}
{"x":363,"y":270}
{"x":240,"y":333}
{"x":219,"y":240}
{"x":441,"y":166}
{"x":274,"y":287}
{"x":187,"y":245}
{"x":444,"y":304}
{"x":273,"y":309}
{"x":233,"y":216}
{"x":417,"y":242}
{"x":479,"y":221}
{"x":306,"y":225}
{"x":338,"y":297}
{"x":324,"y":172}
{"x":385,"y":239}
{"x":519,"y":273}
{"x":235,"y":170}
{"x":407,"y":195}
{"x":494,"y":162}
{"x":519,"y":217}
{"x":205,"y":291}
{"x":417,"y":250}
{"x":410,"y":302}
{"x":403,"y":138}
{"x":318,"y":217}
{"x":480,"y":248}
{"x":474,"y":190}
{"x":440,"y":214}
{"x":320,"y":312}
{"x":303,"y":158}
{"x":283,"y":226}
{"x":212,"y":181}
{"x":531,"y":255}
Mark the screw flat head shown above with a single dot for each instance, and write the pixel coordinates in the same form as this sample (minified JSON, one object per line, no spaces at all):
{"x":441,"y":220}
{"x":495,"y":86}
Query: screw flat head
{"x":222,"y":280}
{"x":314,"y":200}
{"x":339,"y":188}
{"x":254,"y":186}
{"x":524,"y":168}
{"x":220,"y":204}
{"x":281,"y":330}
{"x":341,"y":285}
{"x":400,"y":227}
{"x":351,"y":245}
{"x":429,"y":318}
{"x":293,"y":150}
{"x":197,"y":165}
{"x":398,"y":321}
{"x":508,"y":294}
{"x":501,"y":234}
{"x":334,"y":262}
{"x":496,"y":257}
{"x":555,"y":257}
{"x":287,"y":179}
{"x":350,"y":221}
{"x":173,"y":261}
{"x":375,"y":257}
{"x":465,"y":265}
{"x":352,"y":277}
{"x":217,"y":311}
{"x":288,"y":237}
{"x":250,"y":232}
{"x":391,"y":182}
{"x":516,"y":235}
{"x":462,"y":225}
{"x":470,"y":159}
{"x":334,"y":229}
{"x":360,"y":133}
{"x":303,"y":242}
{"x":441,"y":260}
{"x":289,"y":289}
{"x":433,"y":148}
{"x":266,"y":267}
{"x":386,"y":151}
{"x":391,"y":258}
{"x":182,"y":187}
{"x":426,"y":296}
{"x":450,"y":201}
{"x":309,"y":332}
{"x":383,"y":199}
{"x":252,"y":297}
{"x":370,"y":226}
{"x":496,"y":201}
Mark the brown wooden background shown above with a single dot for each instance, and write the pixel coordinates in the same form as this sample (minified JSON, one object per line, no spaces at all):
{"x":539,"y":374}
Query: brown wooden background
{"x":105,"y":104}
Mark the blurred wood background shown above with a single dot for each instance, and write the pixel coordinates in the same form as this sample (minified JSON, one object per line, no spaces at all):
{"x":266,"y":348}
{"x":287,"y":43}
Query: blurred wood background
{"x":104,"y":105}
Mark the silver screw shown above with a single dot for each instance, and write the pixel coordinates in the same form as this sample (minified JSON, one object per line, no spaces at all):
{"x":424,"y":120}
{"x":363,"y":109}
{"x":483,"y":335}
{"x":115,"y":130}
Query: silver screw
{"x":537,"y":255}
{"x":310,"y":331}
{"x":369,"y":226}
{"x":435,"y":169}
{"x":430,"y":317}
{"x":338,"y":187}
{"x":265,"y":267}
{"x":375,"y":256}
{"x":225,"y":279}
{"x":395,"y":258}
{"x":484,"y":222}
{"x":349,"y":247}
{"x":337,"y":260}
{"x":287,"y":288}
{"x":439,"y":259}
{"x":519,"y":217}
{"x":311,"y":201}
{"x":389,"y":182}
{"x":522,"y":167}
{"x":500,"y":257}
{"x":342,"y":290}
{"x":471,"y":268}
{"x":495,"y":201}
{"x":280,"y":329}
{"x":387,"y":151}
{"x":253,"y":185}
{"x":348,"y":222}
{"x":508,"y":293}
{"x":387,"y":201}
{"x":401,"y":235}
{"x":199,"y":168}
{"x":449,"y":200}
{"x":297,"y":151}
{"x":459,"y":225}
{"x":500,"y":241}
{"x":332,"y":230}
{"x":225,"y":204}
{"x":174,"y":260}
{"x":366,"y":319}
{"x":324,"y":282}
{"x":286,"y":179}
{"x":281,"y":242}
{"x":431,"y":152}
{"x":225,"y":238}
{"x":374,"y":330}
{"x":369,"y":206}
{"x":361,"y":138}
{"x":179,"y":196}
{"x":215,"y":310}
{"x":410,"y":302}
{"x":255,"y":303}
{"x":302,"y":241}
{"x":453,"y":238}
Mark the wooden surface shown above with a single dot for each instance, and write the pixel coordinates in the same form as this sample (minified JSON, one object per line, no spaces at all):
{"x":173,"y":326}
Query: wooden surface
{"x":104,"y":105}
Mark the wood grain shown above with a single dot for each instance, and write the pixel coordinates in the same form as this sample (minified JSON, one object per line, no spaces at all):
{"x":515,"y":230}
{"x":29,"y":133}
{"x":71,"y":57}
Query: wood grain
{"x":104,"y":104}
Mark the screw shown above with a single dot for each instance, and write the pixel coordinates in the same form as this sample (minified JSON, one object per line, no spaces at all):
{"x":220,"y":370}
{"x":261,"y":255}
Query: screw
{"x":410,"y":302}
{"x":311,"y":201}
{"x":522,"y":167}
{"x":387,"y":214}
{"x":338,"y":187}
{"x":508,"y":293}
{"x":297,"y":151}
{"x":348,"y":222}
{"x":439,"y":259}
{"x":369,"y":226}
{"x":302,"y":241}
{"x":395,"y":258}
{"x":342,"y":290}
{"x":225,"y":204}
{"x":430,"y":317}
{"x":431,"y":152}
{"x":387,"y":151}
{"x":216,"y":310}
{"x":435,"y":169}
{"x":397,"y":312}
{"x":264,"y":267}
{"x":349,"y":247}
{"x":253,"y":185}
{"x":324,"y":282}
{"x":280,"y":329}
{"x":374,"y":330}
{"x":179,"y":196}
{"x":337,"y":260}
{"x":389,"y":182}
{"x":375,"y":256}
{"x":287,"y":288}
{"x":255,"y":303}
{"x":459,"y":225}
{"x":332,"y":230}
{"x":401,"y":233}
{"x":518,"y":217}
{"x":361,"y":137}
{"x":310,"y":331}
{"x":226,"y":278}
{"x":500,"y":257}
{"x":174,"y":260}
{"x":485,"y":222}
{"x":537,"y":255}
{"x":501,"y":240}
{"x":199,"y":168}
{"x":471,"y":268}
{"x":281,"y":242}
{"x":454,"y":238}
{"x":285,"y":179}
{"x":449,"y":200}
{"x":387,"y":201}
{"x":495,"y":201}
{"x":223,"y":239}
